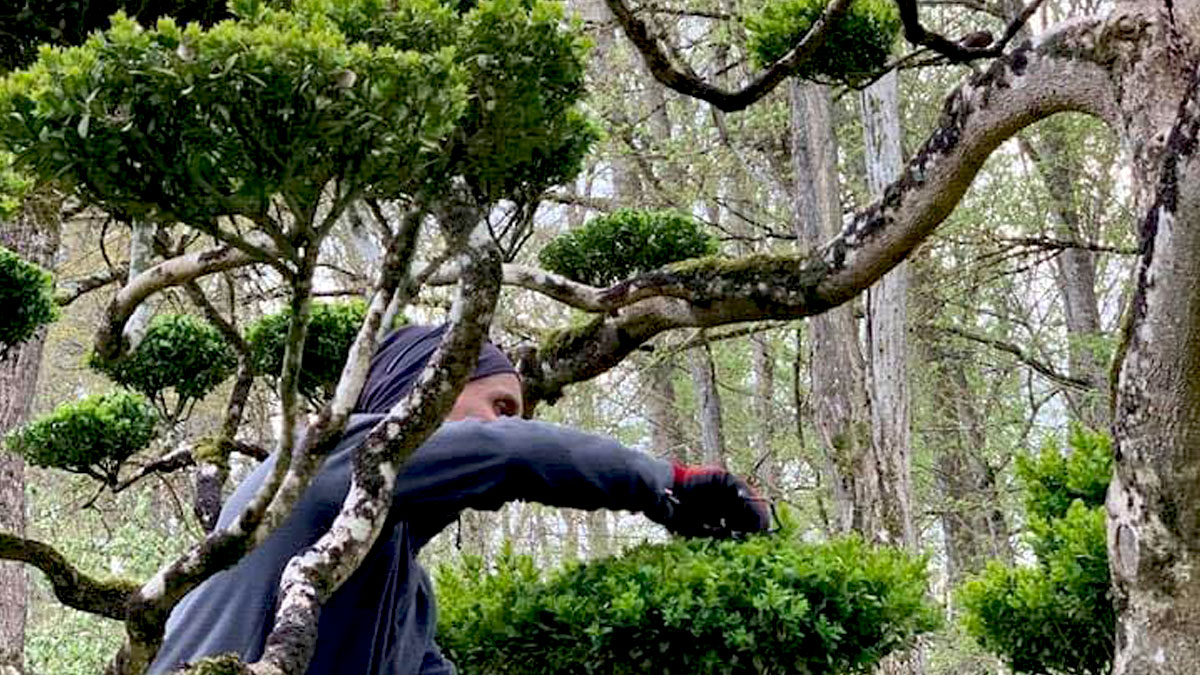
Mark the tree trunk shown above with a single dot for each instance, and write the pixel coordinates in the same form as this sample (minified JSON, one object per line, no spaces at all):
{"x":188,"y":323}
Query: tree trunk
{"x":1154,"y":499}
{"x":1075,"y":274}
{"x":708,"y":406}
{"x":34,"y":235}
{"x":666,"y":436}
{"x":887,"y":328}
{"x":767,"y":464}
{"x":840,"y":407}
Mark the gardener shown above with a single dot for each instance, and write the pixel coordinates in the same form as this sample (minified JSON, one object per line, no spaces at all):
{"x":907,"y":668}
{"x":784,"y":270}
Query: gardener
{"x":382,"y":620}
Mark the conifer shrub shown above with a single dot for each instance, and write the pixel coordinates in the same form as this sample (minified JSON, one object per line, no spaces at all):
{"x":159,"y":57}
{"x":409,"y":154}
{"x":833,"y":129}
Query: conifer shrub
{"x":624,"y":243}
{"x":92,"y":436}
{"x":1055,"y":616}
{"x":856,"y":47}
{"x":27,"y":296}
{"x":331,"y":332}
{"x":767,"y":604}
{"x":179,"y":352}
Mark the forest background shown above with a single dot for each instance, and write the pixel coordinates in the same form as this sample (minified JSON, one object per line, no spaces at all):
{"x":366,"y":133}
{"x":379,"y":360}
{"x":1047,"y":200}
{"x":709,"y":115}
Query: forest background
{"x":997,"y":339}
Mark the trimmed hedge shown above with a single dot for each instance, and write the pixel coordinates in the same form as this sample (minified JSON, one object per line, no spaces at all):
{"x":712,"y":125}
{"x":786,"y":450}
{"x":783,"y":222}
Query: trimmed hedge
{"x":331,"y":332}
{"x":92,"y":436}
{"x":765,"y":604}
{"x":179,"y":352}
{"x":624,"y":243}
{"x":856,"y":48}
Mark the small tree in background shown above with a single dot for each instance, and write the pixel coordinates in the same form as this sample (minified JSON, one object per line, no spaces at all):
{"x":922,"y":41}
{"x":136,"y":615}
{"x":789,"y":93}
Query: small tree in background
{"x":1056,"y":616}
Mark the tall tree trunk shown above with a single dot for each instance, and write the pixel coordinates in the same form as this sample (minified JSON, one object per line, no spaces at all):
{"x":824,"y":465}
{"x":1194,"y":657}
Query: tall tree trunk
{"x":708,"y":405}
{"x":887,"y":329}
{"x":1075,"y":273}
{"x":887,"y":339}
{"x":840,"y":407}
{"x":766,"y":419}
{"x":662,"y":415}
{"x":1154,"y":499}
{"x":34,"y":235}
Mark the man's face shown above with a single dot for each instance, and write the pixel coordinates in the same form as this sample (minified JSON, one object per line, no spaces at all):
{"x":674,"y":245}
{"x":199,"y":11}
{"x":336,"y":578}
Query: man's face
{"x":488,"y":399}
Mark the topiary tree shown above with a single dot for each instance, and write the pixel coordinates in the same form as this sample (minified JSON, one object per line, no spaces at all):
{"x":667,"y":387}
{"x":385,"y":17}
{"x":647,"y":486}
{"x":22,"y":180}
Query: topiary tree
{"x":1056,"y":616}
{"x":260,"y":132}
{"x":179,"y":352}
{"x":331,"y":332}
{"x":767,"y":604}
{"x":92,"y":436}
{"x":856,"y":47}
{"x":624,"y":243}
{"x":27,"y":295}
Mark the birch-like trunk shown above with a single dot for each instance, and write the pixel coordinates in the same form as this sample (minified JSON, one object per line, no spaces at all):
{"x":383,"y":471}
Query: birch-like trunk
{"x":839,"y":398}
{"x":141,"y":257}
{"x":34,"y":235}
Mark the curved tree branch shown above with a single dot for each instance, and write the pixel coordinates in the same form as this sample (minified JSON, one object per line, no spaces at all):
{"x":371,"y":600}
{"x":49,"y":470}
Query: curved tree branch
{"x":72,"y":587}
{"x":1065,"y":71}
{"x":659,"y":63}
{"x":110,"y":343}
{"x":70,"y":291}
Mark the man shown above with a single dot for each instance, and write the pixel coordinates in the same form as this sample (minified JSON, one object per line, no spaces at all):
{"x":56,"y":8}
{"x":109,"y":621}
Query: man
{"x":382,"y":620}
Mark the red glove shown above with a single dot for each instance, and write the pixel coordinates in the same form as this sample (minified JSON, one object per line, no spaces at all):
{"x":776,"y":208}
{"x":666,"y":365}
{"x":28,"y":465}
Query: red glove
{"x":711,"y":502}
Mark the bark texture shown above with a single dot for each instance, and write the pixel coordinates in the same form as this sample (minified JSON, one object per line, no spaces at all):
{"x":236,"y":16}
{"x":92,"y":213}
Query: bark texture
{"x":1154,"y":500}
{"x":34,"y":235}
{"x":836,"y":368}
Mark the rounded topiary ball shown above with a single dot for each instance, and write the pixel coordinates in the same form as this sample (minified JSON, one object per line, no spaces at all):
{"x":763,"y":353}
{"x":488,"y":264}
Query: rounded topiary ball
{"x":92,"y":436}
{"x":855,"y":49}
{"x":180,"y":352}
{"x":27,"y":296}
{"x":331,"y":332}
{"x":624,"y":243}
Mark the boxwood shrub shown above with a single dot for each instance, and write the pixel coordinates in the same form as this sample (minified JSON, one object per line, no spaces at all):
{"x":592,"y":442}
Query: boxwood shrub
{"x":767,"y":604}
{"x":92,"y":436}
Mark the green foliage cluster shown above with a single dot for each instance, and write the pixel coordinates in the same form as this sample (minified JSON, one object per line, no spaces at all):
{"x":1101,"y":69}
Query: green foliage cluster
{"x":394,"y":99}
{"x":331,"y":332}
{"x":765,"y":604}
{"x":624,"y":243}
{"x":14,"y":185}
{"x":27,"y":296}
{"x":190,"y":124}
{"x":92,"y":436}
{"x":855,"y":49}
{"x":179,"y":352}
{"x":1056,"y":616}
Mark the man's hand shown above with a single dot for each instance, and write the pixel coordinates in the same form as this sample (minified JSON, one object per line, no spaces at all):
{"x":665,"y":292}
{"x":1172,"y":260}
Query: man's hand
{"x":711,"y":502}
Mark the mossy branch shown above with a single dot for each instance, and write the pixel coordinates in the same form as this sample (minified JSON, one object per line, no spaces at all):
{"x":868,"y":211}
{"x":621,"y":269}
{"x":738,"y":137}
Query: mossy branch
{"x":72,"y":587}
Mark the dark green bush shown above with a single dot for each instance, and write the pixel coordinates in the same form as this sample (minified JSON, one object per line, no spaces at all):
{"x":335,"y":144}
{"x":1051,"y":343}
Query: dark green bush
{"x":92,"y":436}
{"x":331,"y":331}
{"x":27,"y":296}
{"x":179,"y":352}
{"x":624,"y":243}
{"x":766,"y":604}
{"x":855,"y":49}
{"x":1055,"y":616}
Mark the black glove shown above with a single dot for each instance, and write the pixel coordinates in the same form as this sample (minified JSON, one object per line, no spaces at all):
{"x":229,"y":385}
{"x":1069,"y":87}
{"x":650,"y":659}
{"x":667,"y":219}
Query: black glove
{"x":711,"y":502}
